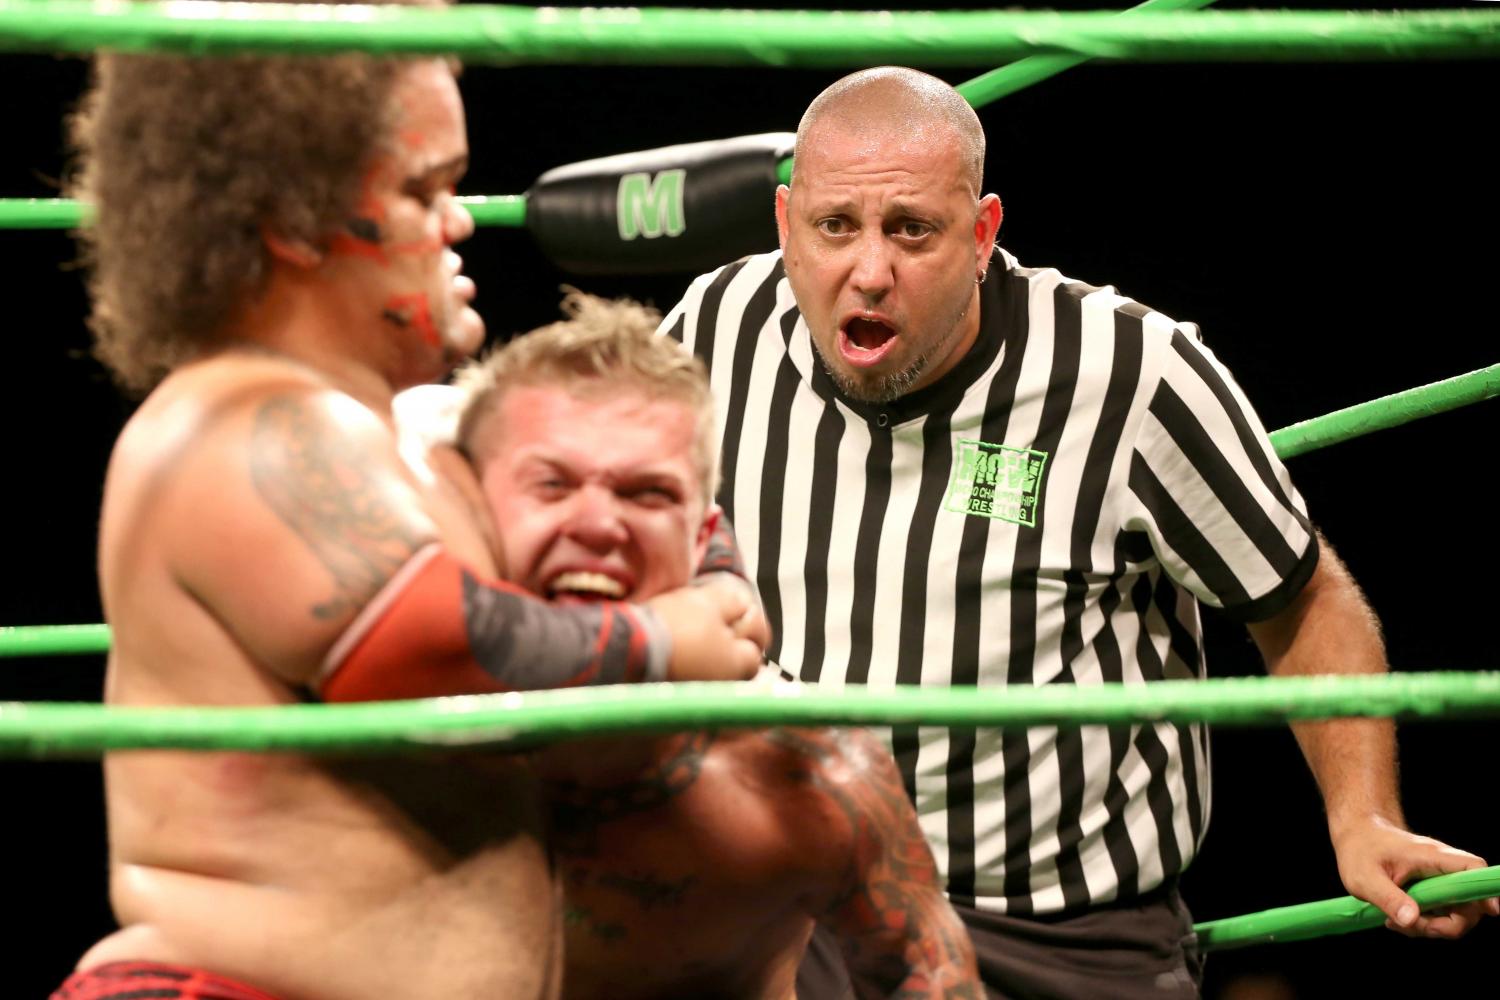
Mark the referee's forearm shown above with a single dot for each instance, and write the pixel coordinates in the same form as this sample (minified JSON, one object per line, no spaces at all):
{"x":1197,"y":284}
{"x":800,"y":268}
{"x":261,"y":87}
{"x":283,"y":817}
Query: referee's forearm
{"x":1330,"y":629}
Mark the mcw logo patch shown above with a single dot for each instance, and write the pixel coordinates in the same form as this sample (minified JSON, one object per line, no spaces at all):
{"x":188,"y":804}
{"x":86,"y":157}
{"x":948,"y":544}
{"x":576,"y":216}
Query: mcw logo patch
{"x":996,"y":481}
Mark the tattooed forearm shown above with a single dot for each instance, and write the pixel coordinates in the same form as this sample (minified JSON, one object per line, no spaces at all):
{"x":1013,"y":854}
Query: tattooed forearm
{"x":335,"y":499}
{"x":899,"y":935}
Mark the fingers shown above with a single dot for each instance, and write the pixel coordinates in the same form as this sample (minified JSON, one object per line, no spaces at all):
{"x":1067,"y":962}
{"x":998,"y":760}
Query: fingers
{"x":747,"y":659}
{"x":1404,"y":915}
{"x":1449,"y":922}
{"x":731,"y":599}
{"x":1451,"y":859}
{"x":1401,"y":911}
{"x":752,"y":625}
{"x":717,"y":632}
{"x":740,"y":610}
{"x":1450,"y":925}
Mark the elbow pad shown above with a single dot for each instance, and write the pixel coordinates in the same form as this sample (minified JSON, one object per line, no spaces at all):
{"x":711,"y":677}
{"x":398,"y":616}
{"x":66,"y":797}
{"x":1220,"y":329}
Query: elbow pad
{"x":438,"y":629}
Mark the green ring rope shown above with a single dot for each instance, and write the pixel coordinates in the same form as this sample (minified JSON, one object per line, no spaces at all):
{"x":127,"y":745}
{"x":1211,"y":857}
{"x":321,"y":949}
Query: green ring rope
{"x":1290,"y":923}
{"x":1296,"y":439}
{"x":1019,"y":75}
{"x":44,"y":729}
{"x":510,"y":35}
{"x":510,"y":210}
{"x":997,"y":83}
{"x":505,"y":210}
{"x":1341,"y":915}
{"x":1387,"y":411}
{"x":53,"y":640}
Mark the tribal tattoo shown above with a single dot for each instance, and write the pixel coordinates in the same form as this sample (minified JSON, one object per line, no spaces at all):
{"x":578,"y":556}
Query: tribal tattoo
{"x":900,"y":936}
{"x":328,"y":491}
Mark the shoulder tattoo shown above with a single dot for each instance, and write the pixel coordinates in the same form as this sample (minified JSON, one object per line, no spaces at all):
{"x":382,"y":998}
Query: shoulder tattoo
{"x":326,"y":489}
{"x":896,"y":927}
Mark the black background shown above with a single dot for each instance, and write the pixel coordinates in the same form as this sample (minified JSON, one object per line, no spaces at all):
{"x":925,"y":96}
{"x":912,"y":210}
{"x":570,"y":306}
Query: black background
{"x":1331,"y":226}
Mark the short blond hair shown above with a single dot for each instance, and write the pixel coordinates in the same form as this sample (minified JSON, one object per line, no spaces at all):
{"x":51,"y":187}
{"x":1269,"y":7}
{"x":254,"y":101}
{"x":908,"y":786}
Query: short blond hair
{"x":610,"y":343}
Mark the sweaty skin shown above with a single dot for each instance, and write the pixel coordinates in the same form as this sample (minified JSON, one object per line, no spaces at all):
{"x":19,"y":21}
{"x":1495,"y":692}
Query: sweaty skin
{"x":310,"y":879}
{"x":695,"y":865}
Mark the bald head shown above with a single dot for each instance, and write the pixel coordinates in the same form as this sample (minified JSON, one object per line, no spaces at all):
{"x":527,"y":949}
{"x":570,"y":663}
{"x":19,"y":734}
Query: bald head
{"x":896,"y":100}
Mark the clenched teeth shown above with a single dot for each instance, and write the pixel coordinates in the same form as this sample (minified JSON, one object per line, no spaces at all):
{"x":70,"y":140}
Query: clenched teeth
{"x":580,"y":582}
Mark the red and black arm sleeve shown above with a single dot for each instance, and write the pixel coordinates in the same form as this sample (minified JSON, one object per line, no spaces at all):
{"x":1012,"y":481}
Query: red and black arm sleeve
{"x":439,"y":629}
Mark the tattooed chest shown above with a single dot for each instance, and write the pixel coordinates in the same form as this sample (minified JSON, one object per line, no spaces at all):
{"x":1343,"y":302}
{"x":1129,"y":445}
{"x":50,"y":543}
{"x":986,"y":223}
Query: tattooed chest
{"x":604,"y":902}
{"x":586,"y":816}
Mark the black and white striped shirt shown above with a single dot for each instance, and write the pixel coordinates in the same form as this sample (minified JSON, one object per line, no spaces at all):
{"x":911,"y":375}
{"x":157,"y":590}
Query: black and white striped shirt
{"x":1046,"y":513}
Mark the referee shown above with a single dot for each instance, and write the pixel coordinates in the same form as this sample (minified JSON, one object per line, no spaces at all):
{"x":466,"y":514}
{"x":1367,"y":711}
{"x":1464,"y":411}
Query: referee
{"x":949,"y":469}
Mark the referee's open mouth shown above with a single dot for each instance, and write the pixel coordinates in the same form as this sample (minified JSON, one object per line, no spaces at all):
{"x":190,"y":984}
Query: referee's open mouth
{"x":864,"y":339}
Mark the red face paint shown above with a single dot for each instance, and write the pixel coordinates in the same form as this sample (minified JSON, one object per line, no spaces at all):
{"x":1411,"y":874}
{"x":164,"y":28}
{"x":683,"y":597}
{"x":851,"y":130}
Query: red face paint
{"x":364,"y":233}
{"x":412,"y":312}
{"x":355,"y":240}
{"x":426,"y":245}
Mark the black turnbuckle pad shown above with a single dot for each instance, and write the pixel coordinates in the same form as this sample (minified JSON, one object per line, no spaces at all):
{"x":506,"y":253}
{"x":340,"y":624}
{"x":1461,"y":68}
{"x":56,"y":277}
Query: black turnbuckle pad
{"x":691,"y":207}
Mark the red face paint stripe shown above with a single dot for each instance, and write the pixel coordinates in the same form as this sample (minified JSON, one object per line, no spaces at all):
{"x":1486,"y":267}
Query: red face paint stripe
{"x":413,"y":311}
{"x":347,"y":244}
{"x":430,"y":244}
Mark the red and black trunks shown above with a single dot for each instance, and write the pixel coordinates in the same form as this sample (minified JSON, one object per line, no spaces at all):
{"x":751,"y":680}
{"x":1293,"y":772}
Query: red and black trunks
{"x":152,"y":981}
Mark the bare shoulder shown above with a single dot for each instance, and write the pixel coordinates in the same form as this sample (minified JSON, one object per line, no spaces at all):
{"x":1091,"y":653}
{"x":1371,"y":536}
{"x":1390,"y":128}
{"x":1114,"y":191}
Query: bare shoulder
{"x":830,"y":756}
{"x":882,"y":895}
{"x":837,"y":786}
{"x":274,"y":502}
{"x":227,"y":439}
{"x":206,"y":412}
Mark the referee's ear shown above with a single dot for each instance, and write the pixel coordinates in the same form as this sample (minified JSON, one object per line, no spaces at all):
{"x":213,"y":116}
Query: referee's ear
{"x":782,"y":194}
{"x":986,"y":228}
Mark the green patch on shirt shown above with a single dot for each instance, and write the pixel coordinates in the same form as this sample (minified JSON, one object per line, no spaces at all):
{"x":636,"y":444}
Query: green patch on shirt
{"x":996,"y":481}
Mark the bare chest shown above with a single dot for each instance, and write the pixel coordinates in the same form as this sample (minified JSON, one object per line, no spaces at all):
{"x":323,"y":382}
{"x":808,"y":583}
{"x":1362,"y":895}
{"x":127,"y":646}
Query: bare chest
{"x":678,"y":888}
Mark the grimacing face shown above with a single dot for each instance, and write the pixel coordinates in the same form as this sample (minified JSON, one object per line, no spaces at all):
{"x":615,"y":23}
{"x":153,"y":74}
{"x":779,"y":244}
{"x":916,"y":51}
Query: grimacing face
{"x":884,"y":239}
{"x":597,"y":494}
{"x":394,"y":255}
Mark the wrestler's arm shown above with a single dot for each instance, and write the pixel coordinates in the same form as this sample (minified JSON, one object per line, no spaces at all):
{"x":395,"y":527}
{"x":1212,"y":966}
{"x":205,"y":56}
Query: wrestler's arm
{"x":326,"y":566}
{"x":898,"y":935}
{"x":1330,"y":629}
{"x":1238,"y":536}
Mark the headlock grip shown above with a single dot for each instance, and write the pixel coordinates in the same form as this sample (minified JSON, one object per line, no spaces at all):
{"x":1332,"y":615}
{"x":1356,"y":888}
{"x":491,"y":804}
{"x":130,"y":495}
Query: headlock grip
{"x":437,"y":629}
{"x":678,"y":208}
